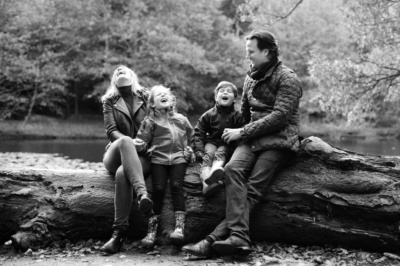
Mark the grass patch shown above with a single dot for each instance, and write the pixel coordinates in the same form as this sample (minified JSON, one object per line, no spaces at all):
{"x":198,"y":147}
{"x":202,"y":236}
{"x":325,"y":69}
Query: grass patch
{"x":88,"y":127}
{"x":335,"y":131}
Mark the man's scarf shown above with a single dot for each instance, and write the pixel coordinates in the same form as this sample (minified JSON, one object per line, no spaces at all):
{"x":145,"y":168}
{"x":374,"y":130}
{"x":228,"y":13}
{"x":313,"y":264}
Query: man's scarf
{"x":259,"y":73}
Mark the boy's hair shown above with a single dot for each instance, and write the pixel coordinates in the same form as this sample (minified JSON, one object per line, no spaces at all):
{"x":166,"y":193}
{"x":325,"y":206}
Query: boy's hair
{"x":224,"y":84}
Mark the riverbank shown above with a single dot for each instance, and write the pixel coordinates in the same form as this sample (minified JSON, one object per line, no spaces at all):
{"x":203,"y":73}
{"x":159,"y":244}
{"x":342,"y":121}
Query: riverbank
{"x":91,"y":127}
{"x":43,"y":127}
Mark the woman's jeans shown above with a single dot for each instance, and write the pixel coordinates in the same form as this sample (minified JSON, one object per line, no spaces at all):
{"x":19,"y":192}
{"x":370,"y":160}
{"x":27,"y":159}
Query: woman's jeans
{"x":247,"y":177}
{"x":160,"y":175}
{"x":122,"y":160}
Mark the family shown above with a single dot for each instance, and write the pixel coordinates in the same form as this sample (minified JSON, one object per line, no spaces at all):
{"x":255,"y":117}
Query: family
{"x":240,"y":151}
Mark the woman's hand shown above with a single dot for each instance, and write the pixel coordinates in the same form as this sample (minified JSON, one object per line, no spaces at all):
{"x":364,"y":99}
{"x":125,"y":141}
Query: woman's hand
{"x":140,"y":145}
{"x":231,"y":134}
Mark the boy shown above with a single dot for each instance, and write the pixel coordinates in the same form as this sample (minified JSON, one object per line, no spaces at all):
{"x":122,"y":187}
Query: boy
{"x":209,"y":148}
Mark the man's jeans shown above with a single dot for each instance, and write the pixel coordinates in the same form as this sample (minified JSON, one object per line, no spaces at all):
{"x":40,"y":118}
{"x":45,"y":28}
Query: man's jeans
{"x":247,"y":177}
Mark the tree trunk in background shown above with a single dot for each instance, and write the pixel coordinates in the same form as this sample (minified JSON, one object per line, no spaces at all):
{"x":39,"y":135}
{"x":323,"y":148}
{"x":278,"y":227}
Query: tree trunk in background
{"x":33,"y":100}
{"x":326,"y":196}
{"x":76,"y":99}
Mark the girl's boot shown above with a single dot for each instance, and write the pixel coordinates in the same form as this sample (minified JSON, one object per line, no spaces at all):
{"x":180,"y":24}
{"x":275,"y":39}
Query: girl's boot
{"x":178,"y":235}
{"x":150,"y":238}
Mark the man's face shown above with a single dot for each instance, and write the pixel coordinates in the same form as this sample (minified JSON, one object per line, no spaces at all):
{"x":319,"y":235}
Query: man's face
{"x":257,"y":57}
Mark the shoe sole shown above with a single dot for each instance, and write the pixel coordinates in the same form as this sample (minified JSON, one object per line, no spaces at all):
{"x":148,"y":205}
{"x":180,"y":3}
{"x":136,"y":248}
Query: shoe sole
{"x":145,"y":205}
{"x":215,"y":176}
{"x":196,"y":254}
{"x":212,"y":189}
{"x":227,"y":249}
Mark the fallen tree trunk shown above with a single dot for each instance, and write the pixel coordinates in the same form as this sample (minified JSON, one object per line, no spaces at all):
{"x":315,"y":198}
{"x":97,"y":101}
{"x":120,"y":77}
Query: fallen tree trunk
{"x":327,"y":196}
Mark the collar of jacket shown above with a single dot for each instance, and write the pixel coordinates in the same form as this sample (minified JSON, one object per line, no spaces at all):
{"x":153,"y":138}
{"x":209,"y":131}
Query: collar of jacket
{"x":120,"y":104}
{"x":163,"y":112}
{"x":270,"y":71}
{"x":225,"y":109}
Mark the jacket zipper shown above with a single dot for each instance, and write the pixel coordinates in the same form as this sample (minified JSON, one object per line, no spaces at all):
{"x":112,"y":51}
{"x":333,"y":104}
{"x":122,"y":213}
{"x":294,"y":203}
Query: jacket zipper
{"x":173,"y":139}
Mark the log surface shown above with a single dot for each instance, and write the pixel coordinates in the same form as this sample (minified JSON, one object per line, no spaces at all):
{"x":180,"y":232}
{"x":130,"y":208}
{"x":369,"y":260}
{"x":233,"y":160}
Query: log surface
{"x":326,"y":196}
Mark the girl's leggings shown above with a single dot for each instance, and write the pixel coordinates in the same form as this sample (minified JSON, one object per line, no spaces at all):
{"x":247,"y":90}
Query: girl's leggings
{"x":160,"y":174}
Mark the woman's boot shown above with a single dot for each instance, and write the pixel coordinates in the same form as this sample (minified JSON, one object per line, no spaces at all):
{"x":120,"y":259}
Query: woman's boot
{"x":150,"y":238}
{"x":115,"y":243}
{"x":178,"y":235}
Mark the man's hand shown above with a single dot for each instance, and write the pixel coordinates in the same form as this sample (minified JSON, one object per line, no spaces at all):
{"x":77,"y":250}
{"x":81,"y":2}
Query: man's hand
{"x":231,"y":134}
{"x":188,"y":155}
{"x":140,"y":145}
{"x":199,"y":156}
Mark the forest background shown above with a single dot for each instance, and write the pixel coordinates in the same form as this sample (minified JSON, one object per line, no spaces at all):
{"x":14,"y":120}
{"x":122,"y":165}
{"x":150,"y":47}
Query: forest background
{"x":56,"y":56}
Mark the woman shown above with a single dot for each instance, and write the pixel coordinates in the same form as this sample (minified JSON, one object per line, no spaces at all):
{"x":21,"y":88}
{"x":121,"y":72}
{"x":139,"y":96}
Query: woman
{"x":124,"y":107}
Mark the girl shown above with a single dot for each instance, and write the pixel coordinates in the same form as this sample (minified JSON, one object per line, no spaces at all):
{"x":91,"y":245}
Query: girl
{"x":166,"y":135}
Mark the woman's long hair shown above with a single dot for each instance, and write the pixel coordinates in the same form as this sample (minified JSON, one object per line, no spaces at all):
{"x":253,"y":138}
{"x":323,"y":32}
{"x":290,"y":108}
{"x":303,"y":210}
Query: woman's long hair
{"x":112,"y":90}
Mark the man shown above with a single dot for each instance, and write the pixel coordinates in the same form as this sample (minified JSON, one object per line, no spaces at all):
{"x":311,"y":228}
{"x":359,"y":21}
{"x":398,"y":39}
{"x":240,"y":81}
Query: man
{"x":270,"y":106}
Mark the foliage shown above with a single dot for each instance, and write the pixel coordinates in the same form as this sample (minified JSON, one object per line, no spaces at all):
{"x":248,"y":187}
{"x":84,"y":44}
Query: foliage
{"x":68,"y":49}
{"x":362,"y":87}
{"x":301,"y":27}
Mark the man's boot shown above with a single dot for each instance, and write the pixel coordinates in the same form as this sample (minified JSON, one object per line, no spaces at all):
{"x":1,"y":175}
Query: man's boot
{"x":202,"y":248}
{"x":150,"y":238}
{"x":232,"y":246}
{"x":216,"y":173}
{"x":177,"y":235}
{"x":115,"y":243}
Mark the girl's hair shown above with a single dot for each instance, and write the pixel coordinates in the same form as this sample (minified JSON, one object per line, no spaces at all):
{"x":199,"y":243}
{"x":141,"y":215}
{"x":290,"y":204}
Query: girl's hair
{"x":150,"y":107}
{"x":112,"y":90}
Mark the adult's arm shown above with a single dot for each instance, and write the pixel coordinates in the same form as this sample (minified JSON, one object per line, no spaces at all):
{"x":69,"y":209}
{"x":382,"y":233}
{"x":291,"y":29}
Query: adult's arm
{"x":109,"y":121}
{"x":145,"y":132}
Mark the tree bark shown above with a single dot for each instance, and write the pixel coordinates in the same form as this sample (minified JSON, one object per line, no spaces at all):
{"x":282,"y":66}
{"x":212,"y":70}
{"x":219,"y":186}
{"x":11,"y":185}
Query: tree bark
{"x":326,"y":196}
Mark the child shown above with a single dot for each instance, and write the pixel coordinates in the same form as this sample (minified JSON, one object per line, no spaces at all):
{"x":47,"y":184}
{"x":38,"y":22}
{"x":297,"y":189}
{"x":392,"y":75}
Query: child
{"x":166,"y":134}
{"x":209,"y":148}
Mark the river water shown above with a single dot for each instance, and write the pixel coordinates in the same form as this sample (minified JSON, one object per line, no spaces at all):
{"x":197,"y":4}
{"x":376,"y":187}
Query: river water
{"x":93,"y":150}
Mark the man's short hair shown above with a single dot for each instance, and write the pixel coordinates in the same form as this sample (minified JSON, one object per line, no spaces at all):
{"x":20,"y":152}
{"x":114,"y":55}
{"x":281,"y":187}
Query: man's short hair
{"x":224,"y":84}
{"x":265,"y":40}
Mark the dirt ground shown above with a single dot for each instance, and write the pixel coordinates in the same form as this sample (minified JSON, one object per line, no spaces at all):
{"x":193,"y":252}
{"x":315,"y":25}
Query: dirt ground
{"x":161,"y":257}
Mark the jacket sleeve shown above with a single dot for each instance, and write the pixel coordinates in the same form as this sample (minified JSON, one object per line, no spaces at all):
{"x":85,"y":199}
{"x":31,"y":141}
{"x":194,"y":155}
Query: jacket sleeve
{"x":189,"y":132}
{"x":245,"y":107}
{"x":145,"y":132}
{"x":109,"y":122}
{"x":200,"y":133}
{"x":239,"y":120}
{"x":287,"y":99}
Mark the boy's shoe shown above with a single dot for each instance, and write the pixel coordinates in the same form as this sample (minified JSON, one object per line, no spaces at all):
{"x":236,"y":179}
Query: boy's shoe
{"x":212,"y":189}
{"x":216,"y":173}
